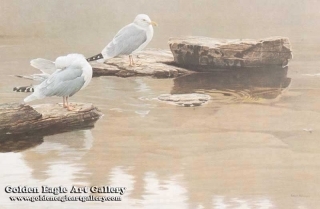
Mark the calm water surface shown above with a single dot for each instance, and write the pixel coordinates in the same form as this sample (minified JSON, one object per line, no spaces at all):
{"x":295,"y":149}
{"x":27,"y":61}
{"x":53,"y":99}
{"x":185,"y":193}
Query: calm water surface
{"x":254,"y":145}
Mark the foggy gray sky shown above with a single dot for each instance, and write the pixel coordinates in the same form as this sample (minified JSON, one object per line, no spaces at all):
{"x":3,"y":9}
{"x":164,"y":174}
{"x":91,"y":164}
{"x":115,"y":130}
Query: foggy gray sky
{"x":97,"y":21}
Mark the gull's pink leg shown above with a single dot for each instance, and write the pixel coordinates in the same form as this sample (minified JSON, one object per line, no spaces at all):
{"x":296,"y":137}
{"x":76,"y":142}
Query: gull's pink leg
{"x":68,"y":106}
{"x":64,"y":102}
{"x":131,"y":60}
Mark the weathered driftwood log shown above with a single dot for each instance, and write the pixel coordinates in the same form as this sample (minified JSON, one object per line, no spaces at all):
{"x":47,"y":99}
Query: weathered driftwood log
{"x":208,"y":53}
{"x":44,"y":119}
{"x":152,"y":62}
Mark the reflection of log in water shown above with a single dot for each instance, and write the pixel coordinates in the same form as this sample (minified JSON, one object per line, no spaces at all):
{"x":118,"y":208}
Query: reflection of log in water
{"x":18,"y":143}
{"x":56,"y":149}
{"x":254,"y":83}
{"x":21,"y":142}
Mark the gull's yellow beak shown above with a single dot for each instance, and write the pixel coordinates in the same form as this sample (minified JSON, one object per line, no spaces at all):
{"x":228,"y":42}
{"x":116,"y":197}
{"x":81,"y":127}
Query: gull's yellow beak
{"x":153,"y":23}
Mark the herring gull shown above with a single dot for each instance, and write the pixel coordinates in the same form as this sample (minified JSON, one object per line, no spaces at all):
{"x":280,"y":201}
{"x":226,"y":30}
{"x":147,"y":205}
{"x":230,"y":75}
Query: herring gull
{"x":129,"y":40}
{"x":70,"y":74}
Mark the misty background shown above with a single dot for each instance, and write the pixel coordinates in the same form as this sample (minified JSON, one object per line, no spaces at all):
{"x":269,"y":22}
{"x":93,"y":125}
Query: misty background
{"x":101,"y":19}
{"x":94,"y":22}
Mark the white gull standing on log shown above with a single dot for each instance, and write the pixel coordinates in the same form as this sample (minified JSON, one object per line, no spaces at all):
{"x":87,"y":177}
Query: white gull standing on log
{"x":129,"y":40}
{"x":71,"y":74}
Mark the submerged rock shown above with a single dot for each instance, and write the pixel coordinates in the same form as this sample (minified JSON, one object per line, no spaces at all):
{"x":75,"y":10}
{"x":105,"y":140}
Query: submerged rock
{"x":203,"y":53}
{"x":152,"y":62}
{"x":45,"y":119}
{"x":186,"y":100}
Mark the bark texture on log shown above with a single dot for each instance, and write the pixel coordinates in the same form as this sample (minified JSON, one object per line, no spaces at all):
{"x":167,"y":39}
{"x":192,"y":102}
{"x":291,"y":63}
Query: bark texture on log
{"x":208,"y":53}
{"x":45,"y":119}
{"x":152,"y":62}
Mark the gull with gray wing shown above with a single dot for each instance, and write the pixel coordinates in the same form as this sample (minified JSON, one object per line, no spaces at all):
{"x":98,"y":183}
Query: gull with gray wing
{"x":72,"y":73}
{"x":129,"y":40}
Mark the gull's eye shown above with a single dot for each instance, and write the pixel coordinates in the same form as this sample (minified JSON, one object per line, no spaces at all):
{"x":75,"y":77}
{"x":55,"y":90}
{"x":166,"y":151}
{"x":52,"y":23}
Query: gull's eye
{"x":144,"y":19}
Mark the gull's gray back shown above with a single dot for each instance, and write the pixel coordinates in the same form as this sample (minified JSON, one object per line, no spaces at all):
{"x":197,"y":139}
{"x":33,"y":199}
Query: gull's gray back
{"x":64,"y":82}
{"x":127,"y":40}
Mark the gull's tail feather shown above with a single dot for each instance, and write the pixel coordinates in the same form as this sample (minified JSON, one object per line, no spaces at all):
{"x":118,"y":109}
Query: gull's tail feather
{"x":24,"y":76}
{"x":35,"y":77}
{"x":30,"y":98}
{"x":24,"y":89}
{"x":95,"y":57}
{"x":35,"y":95}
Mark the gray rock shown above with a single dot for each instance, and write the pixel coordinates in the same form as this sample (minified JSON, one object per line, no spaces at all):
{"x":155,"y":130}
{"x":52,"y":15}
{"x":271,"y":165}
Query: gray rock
{"x":185,"y":100}
{"x":152,"y":62}
{"x":202,"y":53}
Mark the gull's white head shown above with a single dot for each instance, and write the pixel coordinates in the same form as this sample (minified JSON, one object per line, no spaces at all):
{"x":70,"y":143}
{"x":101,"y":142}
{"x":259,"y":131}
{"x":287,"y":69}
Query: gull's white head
{"x":76,"y":60}
{"x":144,"y":21}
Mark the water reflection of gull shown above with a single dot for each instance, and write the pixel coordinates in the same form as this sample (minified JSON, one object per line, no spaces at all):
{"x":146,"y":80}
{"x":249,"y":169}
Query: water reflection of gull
{"x":170,"y":191}
{"x":59,"y":152}
{"x":66,"y":145}
{"x":142,"y":86}
{"x":235,"y":85}
{"x":55,"y":162}
{"x":138,"y":103}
